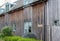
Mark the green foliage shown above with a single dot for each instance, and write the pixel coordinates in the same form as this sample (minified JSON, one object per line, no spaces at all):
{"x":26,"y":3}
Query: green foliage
{"x":7,"y":35}
{"x":17,"y":38}
{"x":28,"y":39}
{"x":1,"y":35}
{"x":12,"y":38}
{"x":7,"y":31}
{"x":30,"y":35}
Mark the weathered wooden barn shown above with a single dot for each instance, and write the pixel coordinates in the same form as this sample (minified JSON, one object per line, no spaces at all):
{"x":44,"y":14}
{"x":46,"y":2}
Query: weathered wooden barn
{"x":25,"y":17}
{"x":40,"y":17}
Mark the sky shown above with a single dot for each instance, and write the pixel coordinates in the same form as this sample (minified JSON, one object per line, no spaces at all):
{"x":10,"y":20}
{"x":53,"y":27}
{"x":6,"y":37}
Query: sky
{"x":3,"y":1}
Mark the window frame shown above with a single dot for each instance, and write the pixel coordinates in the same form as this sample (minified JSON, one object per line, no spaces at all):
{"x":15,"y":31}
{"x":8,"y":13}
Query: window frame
{"x":14,"y":26}
{"x":26,"y":26}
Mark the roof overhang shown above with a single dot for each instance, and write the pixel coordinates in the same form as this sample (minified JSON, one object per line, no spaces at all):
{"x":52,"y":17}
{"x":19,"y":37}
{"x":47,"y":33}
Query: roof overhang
{"x":24,"y":6}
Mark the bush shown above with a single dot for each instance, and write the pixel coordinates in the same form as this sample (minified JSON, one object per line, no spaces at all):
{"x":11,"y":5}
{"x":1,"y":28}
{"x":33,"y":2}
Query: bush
{"x":30,"y":35}
{"x":28,"y":39}
{"x":7,"y":31}
{"x":1,"y":35}
{"x":12,"y":38}
{"x":17,"y":38}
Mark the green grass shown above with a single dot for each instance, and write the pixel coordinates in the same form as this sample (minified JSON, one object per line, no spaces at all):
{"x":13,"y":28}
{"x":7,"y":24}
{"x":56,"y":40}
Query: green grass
{"x":17,"y":38}
{"x":1,"y":40}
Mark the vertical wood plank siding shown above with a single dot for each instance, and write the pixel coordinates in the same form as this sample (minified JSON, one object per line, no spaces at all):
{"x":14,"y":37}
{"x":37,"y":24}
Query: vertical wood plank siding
{"x":2,"y":22}
{"x":52,"y":10}
{"x":38,"y":11}
{"x":18,"y":18}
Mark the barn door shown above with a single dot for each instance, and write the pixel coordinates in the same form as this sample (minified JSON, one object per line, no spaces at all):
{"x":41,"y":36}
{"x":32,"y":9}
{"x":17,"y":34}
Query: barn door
{"x":28,"y":20}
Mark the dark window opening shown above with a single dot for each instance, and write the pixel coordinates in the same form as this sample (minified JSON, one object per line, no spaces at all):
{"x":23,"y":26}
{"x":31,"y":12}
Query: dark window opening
{"x":56,"y":22}
{"x":11,"y":5}
{"x":29,"y":29}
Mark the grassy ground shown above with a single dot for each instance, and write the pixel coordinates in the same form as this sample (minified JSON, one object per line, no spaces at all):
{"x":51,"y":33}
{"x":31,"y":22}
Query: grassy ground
{"x":1,"y":40}
{"x":17,"y":38}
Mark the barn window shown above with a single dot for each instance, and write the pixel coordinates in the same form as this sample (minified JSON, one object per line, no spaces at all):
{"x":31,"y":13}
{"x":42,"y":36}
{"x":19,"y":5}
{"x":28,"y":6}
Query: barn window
{"x":27,"y":2}
{"x":14,"y":27}
{"x":27,"y":27}
{"x":56,"y":22}
{"x":12,"y":5}
{"x":7,"y":7}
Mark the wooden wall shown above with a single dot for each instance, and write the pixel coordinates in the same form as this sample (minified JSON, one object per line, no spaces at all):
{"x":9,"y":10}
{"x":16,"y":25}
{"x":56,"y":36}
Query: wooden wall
{"x":38,"y":18}
{"x":2,"y":22}
{"x":18,"y":17}
{"x":52,"y":11}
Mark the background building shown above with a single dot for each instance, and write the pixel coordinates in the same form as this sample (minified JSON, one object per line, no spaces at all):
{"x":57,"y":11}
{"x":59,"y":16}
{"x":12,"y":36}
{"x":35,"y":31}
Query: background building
{"x":40,"y":17}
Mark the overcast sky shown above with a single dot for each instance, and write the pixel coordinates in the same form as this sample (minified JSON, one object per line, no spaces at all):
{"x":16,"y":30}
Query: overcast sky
{"x":3,"y":1}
